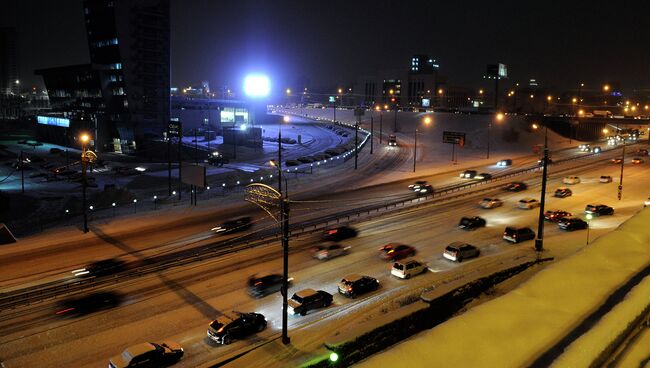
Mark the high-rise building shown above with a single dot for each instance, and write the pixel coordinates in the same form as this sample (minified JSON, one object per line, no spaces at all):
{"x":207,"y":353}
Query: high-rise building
{"x":423,"y":64}
{"x":9,"y":83}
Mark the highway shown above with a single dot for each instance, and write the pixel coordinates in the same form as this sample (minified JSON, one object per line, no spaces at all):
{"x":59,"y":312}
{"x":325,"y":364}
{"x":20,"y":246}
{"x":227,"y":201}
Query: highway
{"x":178,"y":303}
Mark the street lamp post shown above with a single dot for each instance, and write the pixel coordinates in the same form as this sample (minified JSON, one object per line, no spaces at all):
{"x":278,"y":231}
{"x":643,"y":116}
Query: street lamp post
{"x":539,"y":242}
{"x":427,"y":121}
{"x":499,"y":117}
{"x":372,"y":132}
{"x":589,"y":217}
{"x":356,"y":141}
{"x":84,"y":163}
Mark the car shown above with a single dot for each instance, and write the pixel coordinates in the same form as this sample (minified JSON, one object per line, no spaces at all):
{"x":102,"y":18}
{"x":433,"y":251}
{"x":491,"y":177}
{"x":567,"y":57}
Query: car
{"x":395,"y":251}
{"x":597,"y":149}
{"x":556,"y":215}
{"x":571,"y":180}
{"x":407,"y":269}
{"x":468,"y":174}
{"x":354,"y":285}
{"x":570,"y":224}
{"x":637,"y":160}
{"x":518,"y":234}
{"x":260,"y":285}
{"x":562,"y":192}
{"x":642,"y":152}
{"x":471,"y":223}
{"x":540,"y":162}
{"x":424,"y":190}
{"x":148,"y":354}
{"x":100,"y":268}
{"x":340,"y":233}
{"x":515,"y":186}
{"x":528,"y":203}
{"x":329,"y":251}
{"x":235,"y":325}
{"x":87,"y":304}
{"x":292,"y":163}
{"x":239,"y":224}
{"x":457,"y":251}
{"x":483,"y":176}
{"x":616,"y":160}
{"x":605,"y":179}
{"x":392,"y":140}
{"x":489,"y":203}
{"x":646,"y":203}
{"x":584,"y":148}
{"x":598,"y":209}
{"x":416,"y":186}
{"x":306,"y":159}
{"x":308,"y":299}
{"x":503,"y":163}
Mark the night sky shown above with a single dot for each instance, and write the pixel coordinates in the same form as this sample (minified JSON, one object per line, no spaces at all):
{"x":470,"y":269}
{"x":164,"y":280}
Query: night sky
{"x":333,"y":42}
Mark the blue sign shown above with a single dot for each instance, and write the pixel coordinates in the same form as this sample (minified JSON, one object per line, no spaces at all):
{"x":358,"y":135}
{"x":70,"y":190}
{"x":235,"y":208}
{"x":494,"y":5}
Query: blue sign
{"x":50,"y":120}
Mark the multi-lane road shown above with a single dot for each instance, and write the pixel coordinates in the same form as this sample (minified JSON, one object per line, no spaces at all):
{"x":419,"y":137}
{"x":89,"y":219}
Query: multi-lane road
{"x":178,"y":303}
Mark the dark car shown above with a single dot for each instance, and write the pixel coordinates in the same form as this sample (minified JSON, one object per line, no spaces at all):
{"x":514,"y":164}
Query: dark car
{"x":292,"y":163}
{"x":457,"y":251}
{"x":571,"y":224}
{"x":563,"y":192}
{"x":616,"y":160}
{"x":518,"y":234}
{"x":599,"y":209}
{"x":88,"y":304}
{"x":424,"y":190}
{"x":540,"y":162}
{"x":340,"y":233}
{"x":235,"y":325}
{"x":148,"y":355}
{"x":233,"y":226}
{"x":308,"y":299}
{"x":395,"y":251}
{"x":353,"y":285}
{"x":471,"y":223}
{"x":417,"y":185}
{"x":483,"y":176}
{"x":515,"y":186}
{"x":468,"y":174}
{"x":642,"y":152}
{"x":265,"y":284}
{"x":503,"y":163}
{"x":100,"y":268}
{"x":556,"y":215}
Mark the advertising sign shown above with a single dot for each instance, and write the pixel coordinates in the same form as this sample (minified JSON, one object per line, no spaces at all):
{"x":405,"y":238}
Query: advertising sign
{"x":426,"y":102}
{"x":174,"y":129}
{"x":50,"y":120}
{"x":453,"y":137}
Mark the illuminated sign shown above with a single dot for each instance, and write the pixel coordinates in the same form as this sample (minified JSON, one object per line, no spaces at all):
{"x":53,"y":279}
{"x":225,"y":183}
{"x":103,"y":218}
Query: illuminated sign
{"x":426,"y":102}
{"x":50,"y":120}
{"x":332,"y":99}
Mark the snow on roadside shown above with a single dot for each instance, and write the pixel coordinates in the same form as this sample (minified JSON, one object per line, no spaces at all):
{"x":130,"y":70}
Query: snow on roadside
{"x":515,"y":329}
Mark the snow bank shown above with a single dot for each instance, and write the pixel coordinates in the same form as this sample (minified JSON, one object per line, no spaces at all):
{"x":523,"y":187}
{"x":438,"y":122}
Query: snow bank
{"x":514,"y":330}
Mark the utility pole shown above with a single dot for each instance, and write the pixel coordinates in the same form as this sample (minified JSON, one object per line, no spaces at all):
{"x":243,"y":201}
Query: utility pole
{"x":280,"y":159}
{"x":180,"y":164}
{"x":22,"y":171}
{"x":372,"y":132}
{"x":169,"y":164}
{"x":395,"y":121}
{"x":196,"y":147}
{"x":356,"y":141}
{"x":539,"y":242}
{"x":284,"y":207}
{"x":415,"y":149}
{"x":620,"y":184}
{"x":488,"y":138}
{"x":381,"y":118}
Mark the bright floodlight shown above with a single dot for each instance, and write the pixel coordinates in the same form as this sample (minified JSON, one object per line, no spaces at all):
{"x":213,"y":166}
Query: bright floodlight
{"x":285,"y":119}
{"x":257,"y":85}
{"x":243,"y":127}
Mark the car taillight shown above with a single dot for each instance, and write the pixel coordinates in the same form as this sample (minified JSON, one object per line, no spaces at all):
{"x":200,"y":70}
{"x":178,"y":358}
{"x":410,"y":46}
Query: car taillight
{"x":350,"y":289}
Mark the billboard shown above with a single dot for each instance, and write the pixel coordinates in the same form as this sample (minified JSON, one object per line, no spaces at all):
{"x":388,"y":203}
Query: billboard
{"x":426,"y":102}
{"x":453,"y":137}
{"x":50,"y":120}
{"x":332,"y":99}
{"x":194,"y":175}
{"x":497,"y":70}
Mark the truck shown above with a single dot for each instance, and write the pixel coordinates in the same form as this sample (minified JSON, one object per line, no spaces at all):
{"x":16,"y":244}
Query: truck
{"x":603,"y":113}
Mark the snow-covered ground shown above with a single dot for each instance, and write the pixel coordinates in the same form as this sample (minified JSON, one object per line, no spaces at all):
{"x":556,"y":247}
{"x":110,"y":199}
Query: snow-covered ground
{"x":514,"y":330}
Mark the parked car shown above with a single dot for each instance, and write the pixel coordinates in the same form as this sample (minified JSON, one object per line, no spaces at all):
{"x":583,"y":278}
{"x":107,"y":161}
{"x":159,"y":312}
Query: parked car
{"x":528,"y":203}
{"x":468,"y":174}
{"x":354,"y":285}
{"x":308,"y":299}
{"x":563,"y":192}
{"x":261,"y":285}
{"x":571,"y":224}
{"x":340,"y":233}
{"x":483,"y":176}
{"x":407,"y":269}
{"x":503,"y":163}
{"x":329,"y":251}
{"x":599,"y":210}
{"x":239,"y":224}
{"x":235,"y":325}
{"x":457,"y":251}
{"x":617,"y":160}
{"x":490,"y":203}
{"x":605,"y":179}
{"x":518,"y":234}
{"x":571,"y":180}
{"x":83,"y":305}
{"x":100,"y":268}
{"x":556,"y":215}
{"x":471,"y":223}
{"x":148,"y":354}
{"x":515,"y":186}
{"x":395,"y":251}
{"x":637,"y":160}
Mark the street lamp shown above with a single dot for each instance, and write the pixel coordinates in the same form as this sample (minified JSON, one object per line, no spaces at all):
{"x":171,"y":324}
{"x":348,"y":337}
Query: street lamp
{"x":381,"y":118}
{"x":87,"y":156}
{"x":588,"y":217}
{"x":426,"y":121}
{"x":539,"y":242}
{"x":499,"y":117}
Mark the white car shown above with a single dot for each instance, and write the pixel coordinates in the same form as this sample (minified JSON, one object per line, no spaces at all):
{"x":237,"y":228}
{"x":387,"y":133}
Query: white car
{"x":528,"y":203}
{"x":571,"y":180}
{"x":605,"y":179}
{"x":329,"y":251}
{"x":407,"y":268}
{"x":646,"y":203}
{"x":490,"y":203}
